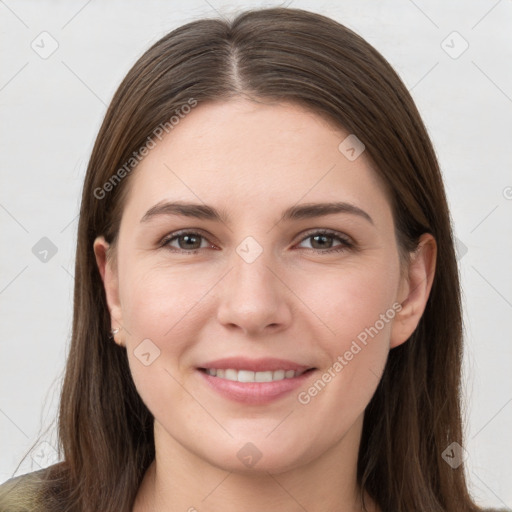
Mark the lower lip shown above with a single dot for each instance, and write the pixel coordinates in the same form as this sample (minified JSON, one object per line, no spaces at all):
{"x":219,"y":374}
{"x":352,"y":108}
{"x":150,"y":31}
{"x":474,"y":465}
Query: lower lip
{"x":255,"y":392}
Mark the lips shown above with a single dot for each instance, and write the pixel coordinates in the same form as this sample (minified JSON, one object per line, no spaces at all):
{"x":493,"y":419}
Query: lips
{"x":223,"y":376}
{"x":254,"y":365}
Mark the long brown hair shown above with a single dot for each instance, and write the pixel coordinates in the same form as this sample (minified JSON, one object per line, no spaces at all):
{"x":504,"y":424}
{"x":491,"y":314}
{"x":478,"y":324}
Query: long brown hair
{"x":278,"y":54}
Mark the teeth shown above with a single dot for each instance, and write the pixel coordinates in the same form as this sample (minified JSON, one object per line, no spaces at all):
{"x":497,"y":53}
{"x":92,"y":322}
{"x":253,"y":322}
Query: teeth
{"x":250,"y":376}
{"x":230,"y":374}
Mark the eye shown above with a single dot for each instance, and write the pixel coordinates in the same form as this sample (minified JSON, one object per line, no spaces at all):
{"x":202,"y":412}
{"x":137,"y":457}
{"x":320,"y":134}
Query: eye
{"x":188,"y":241}
{"x":191,"y":242}
{"x":323,"y":241}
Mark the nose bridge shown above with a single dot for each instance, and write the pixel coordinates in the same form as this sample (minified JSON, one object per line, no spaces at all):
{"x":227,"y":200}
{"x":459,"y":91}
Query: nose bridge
{"x":252,"y":271}
{"x":252,"y":296}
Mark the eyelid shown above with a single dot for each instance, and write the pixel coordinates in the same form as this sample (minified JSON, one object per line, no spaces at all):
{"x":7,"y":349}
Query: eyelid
{"x":326,"y":231}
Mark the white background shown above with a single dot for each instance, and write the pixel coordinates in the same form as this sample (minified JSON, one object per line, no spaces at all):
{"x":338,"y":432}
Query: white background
{"x":52,"y":108}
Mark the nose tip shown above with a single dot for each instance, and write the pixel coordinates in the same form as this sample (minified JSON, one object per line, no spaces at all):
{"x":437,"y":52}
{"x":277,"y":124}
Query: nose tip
{"x":252,"y":298}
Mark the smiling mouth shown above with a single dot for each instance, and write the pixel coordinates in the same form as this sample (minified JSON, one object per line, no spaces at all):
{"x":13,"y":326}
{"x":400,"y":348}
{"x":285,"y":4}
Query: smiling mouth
{"x":251,"y":376}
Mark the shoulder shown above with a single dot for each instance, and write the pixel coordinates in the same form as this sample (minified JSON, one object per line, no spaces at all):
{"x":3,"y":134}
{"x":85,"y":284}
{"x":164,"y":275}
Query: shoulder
{"x":23,"y":493}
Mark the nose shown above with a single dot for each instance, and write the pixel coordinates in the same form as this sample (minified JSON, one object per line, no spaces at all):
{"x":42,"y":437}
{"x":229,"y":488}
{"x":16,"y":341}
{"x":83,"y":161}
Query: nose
{"x":254,"y":297}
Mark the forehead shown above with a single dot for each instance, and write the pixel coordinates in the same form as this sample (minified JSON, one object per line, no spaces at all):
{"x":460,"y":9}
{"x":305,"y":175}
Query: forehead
{"x":250,"y":157}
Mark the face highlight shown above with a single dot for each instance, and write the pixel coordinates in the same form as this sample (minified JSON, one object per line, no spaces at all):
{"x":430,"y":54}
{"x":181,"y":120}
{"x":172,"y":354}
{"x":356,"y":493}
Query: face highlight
{"x":246,"y":233}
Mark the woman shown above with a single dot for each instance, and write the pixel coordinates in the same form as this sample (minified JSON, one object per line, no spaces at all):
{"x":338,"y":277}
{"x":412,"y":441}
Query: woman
{"x":266,"y":309}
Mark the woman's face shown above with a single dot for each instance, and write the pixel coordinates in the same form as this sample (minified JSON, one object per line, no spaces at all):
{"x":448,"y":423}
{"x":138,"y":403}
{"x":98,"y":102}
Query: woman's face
{"x":265,"y":282}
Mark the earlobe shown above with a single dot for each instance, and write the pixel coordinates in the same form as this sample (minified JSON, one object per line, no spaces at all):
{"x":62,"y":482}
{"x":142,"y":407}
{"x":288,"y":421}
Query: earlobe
{"x":417,"y":285}
{"x":109,"y":276}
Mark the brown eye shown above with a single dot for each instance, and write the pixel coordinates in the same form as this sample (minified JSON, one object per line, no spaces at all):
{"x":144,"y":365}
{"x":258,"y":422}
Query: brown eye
{"x":187,"y":241}
{"x":322,"y":241}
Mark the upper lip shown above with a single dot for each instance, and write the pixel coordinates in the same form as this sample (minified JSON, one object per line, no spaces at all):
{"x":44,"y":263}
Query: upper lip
{"x":255,"y":365}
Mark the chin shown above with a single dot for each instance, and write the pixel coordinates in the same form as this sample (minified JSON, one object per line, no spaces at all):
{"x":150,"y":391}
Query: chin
{"x":246,"y":457}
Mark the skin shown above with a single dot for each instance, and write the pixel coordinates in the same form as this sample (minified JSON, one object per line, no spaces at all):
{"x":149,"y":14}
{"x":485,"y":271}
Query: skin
{"x":253,"y":160}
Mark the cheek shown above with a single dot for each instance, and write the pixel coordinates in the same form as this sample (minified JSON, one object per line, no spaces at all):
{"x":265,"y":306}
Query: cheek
{"x":157,"y":316}
{"x":346,"y":301}
{"x":355,"y":311}
{"x":157,"y":305}
{"x":157,"y":302}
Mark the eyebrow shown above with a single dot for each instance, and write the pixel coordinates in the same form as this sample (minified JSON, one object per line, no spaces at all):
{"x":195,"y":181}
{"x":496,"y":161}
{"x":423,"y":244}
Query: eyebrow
{"x":296,"y":212}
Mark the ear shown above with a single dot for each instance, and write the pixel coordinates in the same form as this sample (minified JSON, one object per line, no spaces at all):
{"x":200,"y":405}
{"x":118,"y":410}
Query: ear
{"x":415,"y":290}
{"x":108,"y":271}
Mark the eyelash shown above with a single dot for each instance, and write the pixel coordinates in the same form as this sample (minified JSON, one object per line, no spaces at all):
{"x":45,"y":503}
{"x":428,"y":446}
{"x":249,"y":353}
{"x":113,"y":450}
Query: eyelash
{"x":346,"y":242}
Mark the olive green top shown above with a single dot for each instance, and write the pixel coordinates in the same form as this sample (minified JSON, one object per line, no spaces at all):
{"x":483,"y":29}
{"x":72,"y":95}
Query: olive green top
{"x":19,"y":494}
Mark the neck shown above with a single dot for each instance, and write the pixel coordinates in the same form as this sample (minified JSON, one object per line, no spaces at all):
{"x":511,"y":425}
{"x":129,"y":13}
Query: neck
{"x":179,"y":480}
